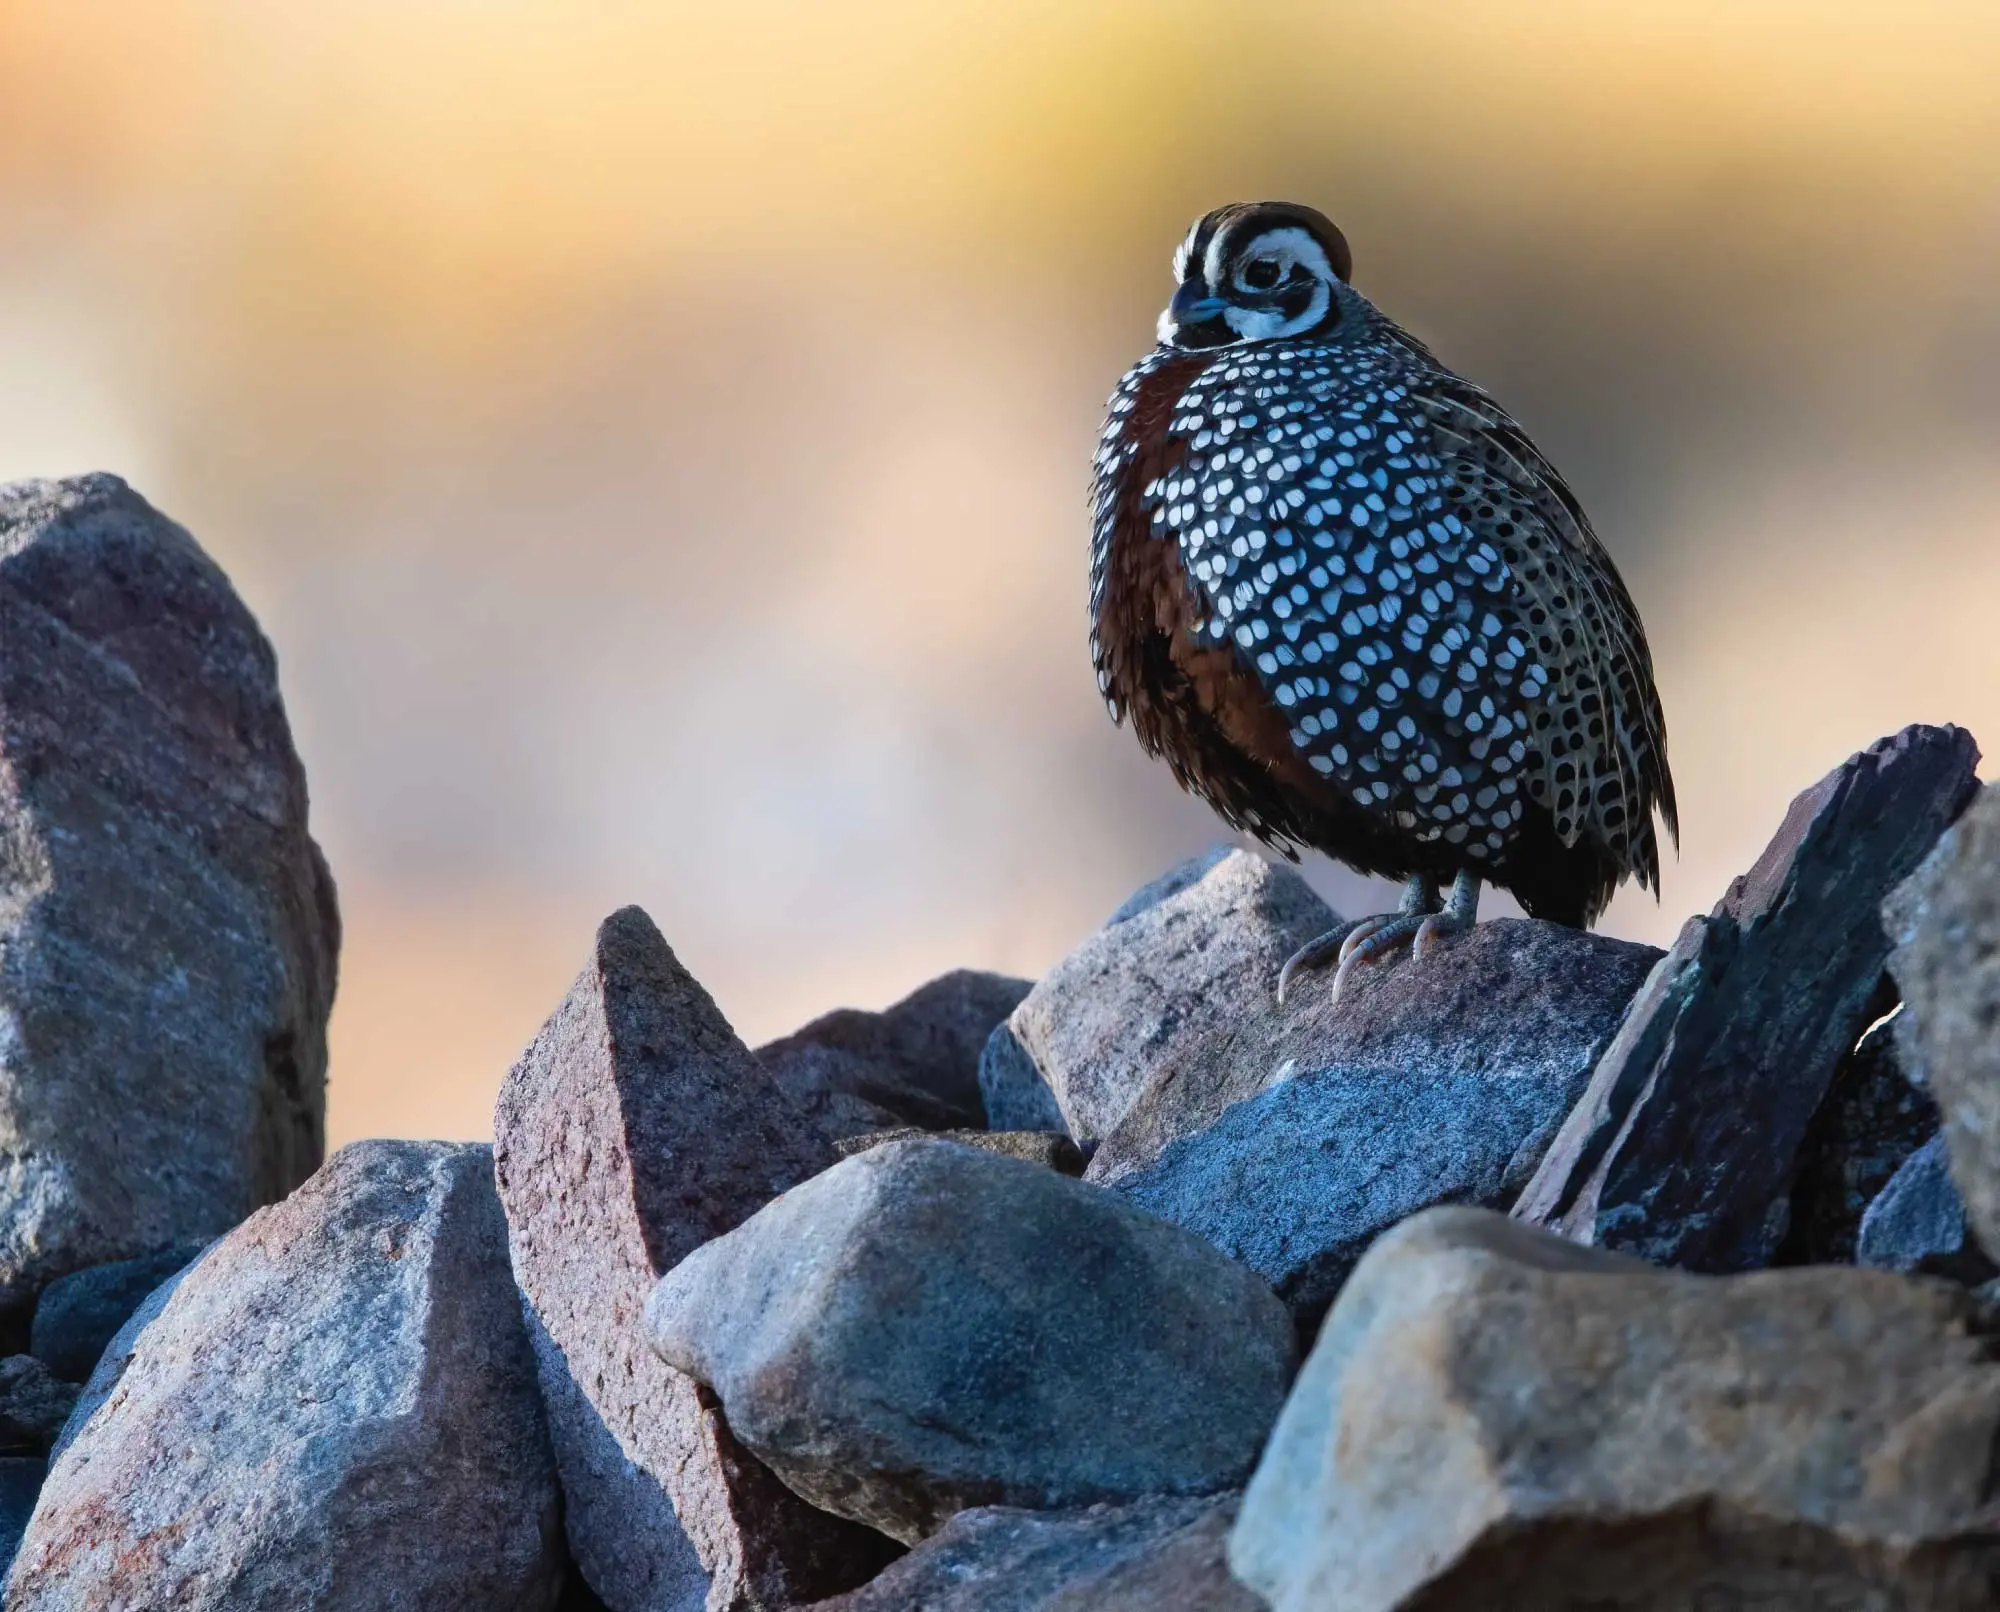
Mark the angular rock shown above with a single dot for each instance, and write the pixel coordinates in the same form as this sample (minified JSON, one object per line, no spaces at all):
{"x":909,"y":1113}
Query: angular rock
{"x":1171,"y":883}
{"x":33,"y":1406}
{"x":335,"y":1408}
{"x":1128,"y":1000}
{"x":1946,"y":925}
{"x":1012,"y":1088}
{"x":1683,"y":1148}
{"x":925,"y":1328}
{"x":1050,"y":1149}
{"x":21,"y":1478}
{"x":916,"y":1063}
{"x":167,"y":927}
{"x":1150,"y":1556}
{"x":1870,"y":1121}
{"x":110,"y":1368}
{"x":78,"y":1315}
{"x":633,"y":1129}
{"x":1515,"y":1003}
{"x":1917,"y":1223}
{"x":1495,"y":1417}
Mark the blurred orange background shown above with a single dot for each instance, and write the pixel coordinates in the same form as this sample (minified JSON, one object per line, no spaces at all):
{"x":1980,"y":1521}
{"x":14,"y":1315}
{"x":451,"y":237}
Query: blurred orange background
{"x":655,"y":435}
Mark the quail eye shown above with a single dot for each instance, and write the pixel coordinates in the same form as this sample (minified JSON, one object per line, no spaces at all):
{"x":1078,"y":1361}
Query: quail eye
{"x":1262,"y":274}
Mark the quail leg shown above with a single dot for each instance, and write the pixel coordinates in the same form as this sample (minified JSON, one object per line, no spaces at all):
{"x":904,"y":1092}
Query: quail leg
{"x":1420,"y":901}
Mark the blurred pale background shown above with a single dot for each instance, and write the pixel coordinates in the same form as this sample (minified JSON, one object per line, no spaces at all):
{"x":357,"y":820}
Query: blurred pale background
{"x":655,"y":435}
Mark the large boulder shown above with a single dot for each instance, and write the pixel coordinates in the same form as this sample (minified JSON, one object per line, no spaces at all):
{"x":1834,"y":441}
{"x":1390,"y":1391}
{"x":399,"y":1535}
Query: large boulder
{"x":633,"y":1129}
{"x":1148,"y":1556}
{"x":1496,"y":1417}
{"x":926,"y":1328}
{"x":914,"y":1063}
{"x":78,"y":1315}
{"x":1159,"y":979}
{"x":1946,"y":925}
{"x":1518,"y":1009}
{"x":335,"y":1408}
{"x":1684,"y":1148}
{"x":167,"y":927}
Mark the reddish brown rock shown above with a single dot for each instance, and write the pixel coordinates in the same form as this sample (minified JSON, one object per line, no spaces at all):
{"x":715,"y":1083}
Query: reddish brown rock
{"x":635,"y":1128}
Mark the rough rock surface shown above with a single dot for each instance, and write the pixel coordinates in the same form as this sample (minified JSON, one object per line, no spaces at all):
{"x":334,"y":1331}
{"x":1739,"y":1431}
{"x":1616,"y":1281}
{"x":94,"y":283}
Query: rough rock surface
{"x":634,"y":1128}
{"x":1171,"y":883}
{"x":1051,"y":1149}
{"x":1869,"y":1123}
{"x":1150,"y":1556}
{"x":167,"y":927}
{"x":1016,"y":1096}
{"x":1682,"y":1150}
{"x":925,"y":1328}
{"x":1917,"y":1223}
{"x":33,"y":1406}
{"x":1518,"y":1004}
{"x":21,"y":1478}
{"x":916,"y":1063}
{"x":1133,"y":996}
{"x":1496,"y":1417}
{"x":110,"y":1368}
{"x":1296,"y":1183}
{"x":78,"y":1315}
{"x":335,"y":1408}
{"x":1946,"y":925}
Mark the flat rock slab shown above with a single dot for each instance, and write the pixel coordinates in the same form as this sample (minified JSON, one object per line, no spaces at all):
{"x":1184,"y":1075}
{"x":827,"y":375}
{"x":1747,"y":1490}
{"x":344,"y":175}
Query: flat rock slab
{"x":1050,"y":1149}
{"x":1495,"y":1417}
{"x":168,"y":929}
{"x":926,"y":1328}
{"x":1132,"y":997}
{"x":78,"y":1315}
{"x":1515,"y":1003}
{"x":1946,"y":925}
{"x":336,"y":1407}
{"x":916,"y":1063}
{"x":1684,"y":1148}
{"x":1150,"y":1556}
{"x":634,"y":1128}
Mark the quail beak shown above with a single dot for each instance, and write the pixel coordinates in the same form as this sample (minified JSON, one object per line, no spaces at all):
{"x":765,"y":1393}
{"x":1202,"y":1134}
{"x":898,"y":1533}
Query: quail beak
{"x":1192,"y":305}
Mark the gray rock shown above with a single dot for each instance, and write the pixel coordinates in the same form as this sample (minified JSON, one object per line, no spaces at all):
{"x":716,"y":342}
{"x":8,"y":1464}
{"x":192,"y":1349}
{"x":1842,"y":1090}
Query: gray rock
{"x":1131,"y":998}
{"x":1050,"y":1149}
{"x":1917,"y":1222}
{"x":21,"y":1478}
{"x":78,"y":1315}
{"x":1515,"y":1003}
{"x":1684,"y":1148}
{"x":1150,"y":1556}
{"x":916,"y":1063}
{"x":1171,"y":883}
{"x":1495,"y":1417}
{"x":335,"y":1408}
{"x":1012,"y":1088}
{"x":634,"y":1128}
{"x":1297,"y":1182}
{"x":925,"y":1328}
{"x":110,"y":1368}
{"x":33,"y":1406}
{"x":167,"y":927}
{"x":1946,"y":925}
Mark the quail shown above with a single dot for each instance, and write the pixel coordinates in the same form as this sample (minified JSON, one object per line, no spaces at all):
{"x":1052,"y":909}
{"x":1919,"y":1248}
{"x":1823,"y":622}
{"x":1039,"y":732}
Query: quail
{"x":1340,"y":592}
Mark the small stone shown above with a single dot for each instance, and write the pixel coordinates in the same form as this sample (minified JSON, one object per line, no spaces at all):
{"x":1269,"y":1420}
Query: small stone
{"x":33,"y":1406}
{"x":1050,"y":1149}
{"x":335,"y":1407}
{"x":1130,"y":999}
{"x":1946,"y":925}
{"x":1495,"y":1417}
{"x":1918,"y":1224}
{"x":1684,"y":1148}
{"x":1149,"y":1556}
{"x":916,"y":1063}
{"x":926,"y":1328}
{"x":169,"y":927}
{"x":1515,"y":1003}
{"x":79,"y":1314}
{"x":1012,"y":1088}
{"x":634,"y":1128}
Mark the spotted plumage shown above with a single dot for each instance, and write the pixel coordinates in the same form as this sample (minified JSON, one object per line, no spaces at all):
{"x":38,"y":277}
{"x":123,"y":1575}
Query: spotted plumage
{"x":1339,"y":590}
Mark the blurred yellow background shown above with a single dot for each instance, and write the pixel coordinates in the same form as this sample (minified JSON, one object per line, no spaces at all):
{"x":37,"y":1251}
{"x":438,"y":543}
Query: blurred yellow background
{"x":655,"y":435}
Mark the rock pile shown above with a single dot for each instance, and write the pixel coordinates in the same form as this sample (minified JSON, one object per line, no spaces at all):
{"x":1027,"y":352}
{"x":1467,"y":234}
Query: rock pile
{"x":1621,"y":1279}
